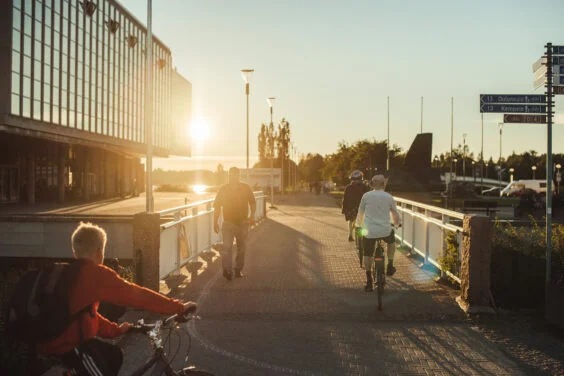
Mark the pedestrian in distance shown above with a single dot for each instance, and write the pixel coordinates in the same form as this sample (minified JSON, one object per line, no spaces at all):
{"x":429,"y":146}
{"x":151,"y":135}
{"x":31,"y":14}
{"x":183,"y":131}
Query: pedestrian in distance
{"x":351,"y":200}
{"x":374,"y":213}
{"x":56,"y":308}
{"x":233,"y":201}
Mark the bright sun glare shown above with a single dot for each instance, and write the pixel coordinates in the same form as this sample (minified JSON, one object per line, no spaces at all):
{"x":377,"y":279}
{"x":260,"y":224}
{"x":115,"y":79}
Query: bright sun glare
{"x":199,"y":189}
{"x":199,"y":130}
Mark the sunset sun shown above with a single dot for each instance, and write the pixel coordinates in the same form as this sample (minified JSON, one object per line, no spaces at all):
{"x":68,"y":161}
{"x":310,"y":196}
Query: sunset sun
{"x":199,"y":130}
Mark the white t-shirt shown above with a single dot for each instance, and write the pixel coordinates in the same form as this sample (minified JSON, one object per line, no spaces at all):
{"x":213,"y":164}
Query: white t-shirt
{"x":374,"y":213}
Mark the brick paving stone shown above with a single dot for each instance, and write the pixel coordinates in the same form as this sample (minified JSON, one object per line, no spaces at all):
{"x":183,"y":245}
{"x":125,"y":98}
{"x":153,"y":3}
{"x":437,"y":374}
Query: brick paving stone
{"x":301,"y":310}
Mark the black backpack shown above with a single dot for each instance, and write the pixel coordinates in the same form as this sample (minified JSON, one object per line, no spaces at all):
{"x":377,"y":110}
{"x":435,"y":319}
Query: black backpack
{"x":39,"y":307}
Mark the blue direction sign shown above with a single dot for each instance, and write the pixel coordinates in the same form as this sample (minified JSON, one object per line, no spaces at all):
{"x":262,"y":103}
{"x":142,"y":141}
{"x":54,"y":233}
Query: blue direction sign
{"x":514,"y":108}
{"x":510,"y":98}
{"x":558,"y":50}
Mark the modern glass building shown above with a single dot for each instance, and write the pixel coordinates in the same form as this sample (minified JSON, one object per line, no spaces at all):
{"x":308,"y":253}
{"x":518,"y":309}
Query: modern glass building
{"x":72,"y":78}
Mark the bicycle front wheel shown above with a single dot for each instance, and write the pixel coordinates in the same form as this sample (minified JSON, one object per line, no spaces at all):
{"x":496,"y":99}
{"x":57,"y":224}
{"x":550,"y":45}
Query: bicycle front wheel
{"x":380,"y":288}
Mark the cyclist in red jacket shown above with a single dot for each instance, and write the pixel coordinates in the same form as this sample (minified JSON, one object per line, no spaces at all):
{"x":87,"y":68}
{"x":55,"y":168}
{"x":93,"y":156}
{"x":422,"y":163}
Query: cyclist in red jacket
{"x":79,"y":346}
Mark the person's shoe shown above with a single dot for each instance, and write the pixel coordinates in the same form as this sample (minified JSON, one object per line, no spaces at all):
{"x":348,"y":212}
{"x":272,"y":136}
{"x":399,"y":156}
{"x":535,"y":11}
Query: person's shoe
{"x":227,"y":275}
{"x":391,"y":270}
{"x":369,"y":287}
{"x":351,"y":239}
{"x":238,"y":274}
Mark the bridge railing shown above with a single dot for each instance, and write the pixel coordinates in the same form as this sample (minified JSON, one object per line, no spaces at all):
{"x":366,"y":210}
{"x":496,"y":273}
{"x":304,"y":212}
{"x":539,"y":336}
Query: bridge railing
{"x":190,"y":232}
{"x":425,"y":228}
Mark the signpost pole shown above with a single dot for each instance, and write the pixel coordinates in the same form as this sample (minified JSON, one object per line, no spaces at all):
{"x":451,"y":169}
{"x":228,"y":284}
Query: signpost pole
{"x":548,"y":161}
{"x":451,"y":142}
{"x":482,"y":157}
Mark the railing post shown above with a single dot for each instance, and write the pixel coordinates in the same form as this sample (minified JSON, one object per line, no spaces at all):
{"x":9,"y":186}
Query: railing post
{"x":195,"y":231}
{"x":426,"y":242}
{"x":413,"y":211}
{"x":443,"y":241}
{"x":403,"y":223}
{"x":210,"y":225}
{"x":475,"y":265}
{"x":147,"y":241}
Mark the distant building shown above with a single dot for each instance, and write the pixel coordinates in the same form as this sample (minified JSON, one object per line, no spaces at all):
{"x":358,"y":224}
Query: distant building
{"x":72,"y":76}
{"x":262,"y":178}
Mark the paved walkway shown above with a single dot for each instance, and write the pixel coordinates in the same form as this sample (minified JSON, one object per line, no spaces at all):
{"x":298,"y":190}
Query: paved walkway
{"x":301,"y":310}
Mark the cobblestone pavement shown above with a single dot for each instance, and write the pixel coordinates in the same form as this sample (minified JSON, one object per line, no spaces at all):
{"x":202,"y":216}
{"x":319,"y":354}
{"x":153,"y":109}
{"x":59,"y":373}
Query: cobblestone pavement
{"x":301,"y":310}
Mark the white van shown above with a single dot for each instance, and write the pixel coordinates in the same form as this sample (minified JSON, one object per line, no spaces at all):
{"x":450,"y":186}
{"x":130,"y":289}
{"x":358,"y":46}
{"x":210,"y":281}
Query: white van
{"x":538,"y":186}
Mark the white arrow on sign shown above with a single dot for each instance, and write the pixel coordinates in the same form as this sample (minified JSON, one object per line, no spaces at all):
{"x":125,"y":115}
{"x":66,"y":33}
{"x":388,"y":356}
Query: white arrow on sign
{"x":539,"y":63}
{"x":540,"y":72}
{"x":539,"y":82}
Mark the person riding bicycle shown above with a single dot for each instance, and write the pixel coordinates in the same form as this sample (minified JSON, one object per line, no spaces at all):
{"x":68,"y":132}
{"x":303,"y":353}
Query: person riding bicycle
{"x":353,"y":193}
{"x":374,"y":217}
{"x":78,"y":346}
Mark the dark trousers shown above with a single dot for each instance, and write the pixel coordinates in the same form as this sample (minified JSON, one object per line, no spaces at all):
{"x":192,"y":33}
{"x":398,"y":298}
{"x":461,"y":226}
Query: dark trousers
{"x":95,"y":358}
{"x":240,"y":232}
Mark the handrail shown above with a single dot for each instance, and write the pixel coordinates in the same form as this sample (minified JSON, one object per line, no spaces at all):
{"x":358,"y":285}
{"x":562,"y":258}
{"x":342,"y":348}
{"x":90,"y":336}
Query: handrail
{"x":195,"y":204}
{"x":433,"y":208}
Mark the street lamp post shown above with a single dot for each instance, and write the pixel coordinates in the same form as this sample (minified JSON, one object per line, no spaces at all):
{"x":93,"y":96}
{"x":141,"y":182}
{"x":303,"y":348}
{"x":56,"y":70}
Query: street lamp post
{"x":464,"y":135}
{"x":148,"y":109}
{"x":246,"y":74}
{"x":474,"y":170}
{"x":270,"y":102}
{"x":487,"y":164}
{"x":500,"y":135}
{"x":534,"y":168}
{"x":455,"y":165}
{"x":511,"y":170}
{"x":558,"y":177}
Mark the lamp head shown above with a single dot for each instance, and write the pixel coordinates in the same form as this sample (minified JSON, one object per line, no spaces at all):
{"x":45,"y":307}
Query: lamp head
{"x":247,"y":74}
{"x":270,"y":101}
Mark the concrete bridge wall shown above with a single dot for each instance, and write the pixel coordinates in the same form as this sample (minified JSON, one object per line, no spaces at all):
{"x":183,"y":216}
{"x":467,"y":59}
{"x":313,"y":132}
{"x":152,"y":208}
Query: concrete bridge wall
{"x":40,"y":237}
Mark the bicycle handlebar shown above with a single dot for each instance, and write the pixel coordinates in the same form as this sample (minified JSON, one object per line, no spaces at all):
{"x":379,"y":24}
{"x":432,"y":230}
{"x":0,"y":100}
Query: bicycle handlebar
{"x":141,"y":327}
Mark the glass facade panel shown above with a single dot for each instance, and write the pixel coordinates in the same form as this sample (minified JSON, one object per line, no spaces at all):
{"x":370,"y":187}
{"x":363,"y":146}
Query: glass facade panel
{"x":81,"y":71}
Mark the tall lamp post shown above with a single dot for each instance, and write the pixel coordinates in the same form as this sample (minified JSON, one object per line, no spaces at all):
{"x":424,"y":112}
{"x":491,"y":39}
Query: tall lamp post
{"x":270,"y":101}
{"x":464,"y":135}
{"x":148,"y":109}
{"x":455,"y":165}
{"x":534,"y":168}
{"x":500,"y":136}
{"x":246,"y":74}
{"x":511,"y":171}
{"x":558,"y":177}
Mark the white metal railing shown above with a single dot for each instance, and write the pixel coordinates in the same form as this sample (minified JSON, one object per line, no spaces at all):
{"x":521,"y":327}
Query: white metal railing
{"x":190,"y":232}
{"x":423,"y":229}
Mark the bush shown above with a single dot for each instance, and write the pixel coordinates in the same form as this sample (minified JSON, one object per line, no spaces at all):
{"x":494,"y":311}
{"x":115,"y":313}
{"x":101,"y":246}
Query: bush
{"x":518,"y":268}
{"x":450,"y":259}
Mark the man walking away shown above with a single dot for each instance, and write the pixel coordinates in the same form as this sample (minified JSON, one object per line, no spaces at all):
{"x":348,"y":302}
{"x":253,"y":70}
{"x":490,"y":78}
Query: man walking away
{"x":235,"y":198}
{"x":351,"y":200}
{"x":374,"y":216}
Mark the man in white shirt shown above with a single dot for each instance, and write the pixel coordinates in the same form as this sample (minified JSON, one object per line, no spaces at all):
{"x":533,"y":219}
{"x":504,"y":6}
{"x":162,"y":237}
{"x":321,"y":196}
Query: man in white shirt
{"x":374,"y":212}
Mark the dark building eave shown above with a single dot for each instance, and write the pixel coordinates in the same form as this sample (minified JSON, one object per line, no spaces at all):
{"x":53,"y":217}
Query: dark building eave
{"x":37,"y":129}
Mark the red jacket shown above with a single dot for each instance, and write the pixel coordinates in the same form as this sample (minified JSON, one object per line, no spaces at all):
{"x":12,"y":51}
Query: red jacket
{"x":96,"y":283}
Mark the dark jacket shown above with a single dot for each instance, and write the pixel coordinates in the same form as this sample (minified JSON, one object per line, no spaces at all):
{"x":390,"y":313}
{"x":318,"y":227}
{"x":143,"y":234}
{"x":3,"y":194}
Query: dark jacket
{"x":353,"y":194}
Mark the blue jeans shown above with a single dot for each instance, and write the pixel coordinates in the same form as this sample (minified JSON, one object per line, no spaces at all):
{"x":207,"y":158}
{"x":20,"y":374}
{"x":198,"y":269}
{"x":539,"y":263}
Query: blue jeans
{"x":231,"y":231}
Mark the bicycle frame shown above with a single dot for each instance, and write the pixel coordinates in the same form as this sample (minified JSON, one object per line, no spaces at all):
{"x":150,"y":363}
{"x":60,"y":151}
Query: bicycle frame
{"x":161,"y":365}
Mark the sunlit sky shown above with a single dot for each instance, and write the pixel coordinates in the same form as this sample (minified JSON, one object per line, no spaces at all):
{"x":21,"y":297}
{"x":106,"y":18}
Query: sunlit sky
{"x":331,"y":65}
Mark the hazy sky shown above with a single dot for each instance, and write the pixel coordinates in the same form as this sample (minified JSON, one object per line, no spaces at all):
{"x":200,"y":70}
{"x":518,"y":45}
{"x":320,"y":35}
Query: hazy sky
{"x":331,"y":64}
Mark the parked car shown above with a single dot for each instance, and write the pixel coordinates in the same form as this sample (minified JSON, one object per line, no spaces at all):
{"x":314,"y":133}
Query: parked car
{"x":516,"y":187}
{"x":492,"y":192}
